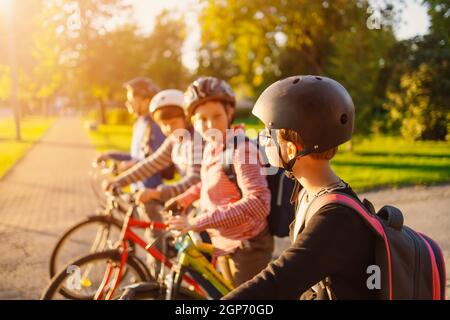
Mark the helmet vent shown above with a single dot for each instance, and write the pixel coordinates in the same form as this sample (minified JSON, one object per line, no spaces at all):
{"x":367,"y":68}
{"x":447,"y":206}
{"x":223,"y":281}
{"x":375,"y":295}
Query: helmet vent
{"x":344,"y":119}
{"x":318,"y":78}
{"x":296,"y":80}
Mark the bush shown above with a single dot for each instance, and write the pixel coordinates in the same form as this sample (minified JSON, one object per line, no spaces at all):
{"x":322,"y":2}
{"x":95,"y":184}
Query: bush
{"x":420,"y":118}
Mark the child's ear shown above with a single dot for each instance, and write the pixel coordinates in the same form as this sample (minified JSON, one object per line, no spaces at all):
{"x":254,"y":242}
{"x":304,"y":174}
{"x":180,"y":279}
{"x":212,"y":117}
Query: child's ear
{"x":291,"y":150}
{"x":230,"y":112}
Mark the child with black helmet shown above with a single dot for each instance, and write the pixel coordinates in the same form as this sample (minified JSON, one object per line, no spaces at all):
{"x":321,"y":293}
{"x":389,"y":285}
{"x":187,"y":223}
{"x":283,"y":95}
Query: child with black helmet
{"x":306,"y":119}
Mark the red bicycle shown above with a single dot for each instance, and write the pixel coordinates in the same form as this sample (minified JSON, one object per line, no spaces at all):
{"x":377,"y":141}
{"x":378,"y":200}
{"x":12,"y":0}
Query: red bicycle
{"x":101,"y":274}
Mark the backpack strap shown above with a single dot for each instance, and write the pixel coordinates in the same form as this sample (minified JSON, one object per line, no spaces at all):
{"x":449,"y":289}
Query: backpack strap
{"x":347,"y":201}
{"x":227,"y":164}
{"x":371,"y":220}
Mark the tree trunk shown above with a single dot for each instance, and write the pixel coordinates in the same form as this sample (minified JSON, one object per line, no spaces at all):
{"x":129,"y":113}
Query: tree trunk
{"x":102,"y":111}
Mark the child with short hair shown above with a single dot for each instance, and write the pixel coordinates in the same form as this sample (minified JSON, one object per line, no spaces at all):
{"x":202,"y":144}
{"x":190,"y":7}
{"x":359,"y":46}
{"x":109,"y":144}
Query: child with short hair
{"x":306,"y":119}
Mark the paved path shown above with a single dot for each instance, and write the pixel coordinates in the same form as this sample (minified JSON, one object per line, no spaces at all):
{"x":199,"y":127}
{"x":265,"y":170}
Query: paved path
{"x":46,"y":192}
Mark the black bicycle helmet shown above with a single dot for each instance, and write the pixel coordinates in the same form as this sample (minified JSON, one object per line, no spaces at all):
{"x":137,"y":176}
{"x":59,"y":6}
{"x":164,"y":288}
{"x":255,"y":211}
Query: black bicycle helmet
{"x":206,"y":89}
{"x":142,"y":86}
{"x":319,"y":108}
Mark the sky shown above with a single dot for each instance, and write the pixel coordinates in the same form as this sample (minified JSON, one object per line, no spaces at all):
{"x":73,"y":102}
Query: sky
{"x":414,"y":21}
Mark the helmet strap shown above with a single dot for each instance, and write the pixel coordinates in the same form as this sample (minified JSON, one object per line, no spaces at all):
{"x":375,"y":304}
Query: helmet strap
{"x":289,"y":166}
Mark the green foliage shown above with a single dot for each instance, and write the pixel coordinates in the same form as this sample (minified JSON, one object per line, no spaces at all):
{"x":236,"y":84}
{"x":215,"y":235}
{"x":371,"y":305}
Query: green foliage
{"x":86,"y":50}
{"x":419,"y":97}
{"x":251,"y":44}
{"x":411,"y":106}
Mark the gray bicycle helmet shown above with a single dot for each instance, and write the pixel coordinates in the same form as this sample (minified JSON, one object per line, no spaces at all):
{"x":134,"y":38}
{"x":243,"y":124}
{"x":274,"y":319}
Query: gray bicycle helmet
{"x":142,"y":86}
{"x":319,"y":108}
{"x":206,"y":89}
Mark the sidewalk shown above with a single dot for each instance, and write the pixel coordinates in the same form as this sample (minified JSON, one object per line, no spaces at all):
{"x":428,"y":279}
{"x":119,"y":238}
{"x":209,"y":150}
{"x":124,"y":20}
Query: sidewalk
{"x":46,"y":192}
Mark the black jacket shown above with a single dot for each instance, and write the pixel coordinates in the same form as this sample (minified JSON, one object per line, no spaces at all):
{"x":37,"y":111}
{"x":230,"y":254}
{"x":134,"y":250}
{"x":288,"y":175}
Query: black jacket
{"x":336,"y":243}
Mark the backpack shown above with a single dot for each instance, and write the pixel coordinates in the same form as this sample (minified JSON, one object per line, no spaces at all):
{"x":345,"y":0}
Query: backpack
{"x":411,"y":264}
{"x":282,"y":212}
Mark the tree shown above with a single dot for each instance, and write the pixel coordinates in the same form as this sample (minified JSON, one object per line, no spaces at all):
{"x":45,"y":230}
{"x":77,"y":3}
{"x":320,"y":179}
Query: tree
{"x":423,"y":64}
{"x":47,"y":74}
{"x":83,"y":26}
{"x":411,"y":106}
{"x":16,"y":33}
{"x":163,"y":49}
{"x":252,"y":44}
{"x":102,"y":50}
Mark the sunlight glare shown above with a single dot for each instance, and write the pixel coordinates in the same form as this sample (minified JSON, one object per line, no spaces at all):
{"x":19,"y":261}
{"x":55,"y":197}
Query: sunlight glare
{"x":5,"y":5}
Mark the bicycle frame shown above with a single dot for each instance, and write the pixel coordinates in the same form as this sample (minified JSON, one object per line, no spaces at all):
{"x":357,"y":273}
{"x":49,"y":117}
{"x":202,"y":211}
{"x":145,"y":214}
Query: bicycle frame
{"x":129,"y":235}
{"x":190,"y":258}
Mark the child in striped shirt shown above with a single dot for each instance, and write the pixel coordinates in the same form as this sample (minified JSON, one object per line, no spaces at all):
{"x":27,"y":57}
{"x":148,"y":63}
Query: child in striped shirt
{"x":178,"y":149}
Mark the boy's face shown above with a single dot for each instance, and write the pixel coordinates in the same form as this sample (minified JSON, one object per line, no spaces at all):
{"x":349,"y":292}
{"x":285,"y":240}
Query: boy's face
{"x":136,"y":104}
{"x":168,"y":126}
{"x":211,"y":115}
{"x":272,"y":142}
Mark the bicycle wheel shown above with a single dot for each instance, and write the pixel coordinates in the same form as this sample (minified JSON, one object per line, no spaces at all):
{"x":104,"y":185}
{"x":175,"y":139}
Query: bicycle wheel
{"x":82,"y":277}
{"x":97,"y":233}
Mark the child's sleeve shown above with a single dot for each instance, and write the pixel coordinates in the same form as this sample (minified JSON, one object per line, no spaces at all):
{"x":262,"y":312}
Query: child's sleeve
{"x":190,"y":195}
{"x":157,"y":161}
{"x":255,"y":200}
{"x":332,"y":241}
{"x":119,"y":156}
{"x":191,"y":177}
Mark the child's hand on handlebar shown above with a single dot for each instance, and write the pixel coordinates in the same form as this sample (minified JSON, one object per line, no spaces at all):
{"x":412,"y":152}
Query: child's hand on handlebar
{"x":146,"y":195}
{"x":180,"y":224}
{"x":174,"y":206}
{"x":109,"y":184}
{"x":102,"y":158}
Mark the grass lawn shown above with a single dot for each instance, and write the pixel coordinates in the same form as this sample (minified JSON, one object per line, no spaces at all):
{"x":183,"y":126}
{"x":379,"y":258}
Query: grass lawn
{"x":32,"y":128}
{"x":111,"y":137}
{"x":374,"y":162}
{"x":391,"y":161}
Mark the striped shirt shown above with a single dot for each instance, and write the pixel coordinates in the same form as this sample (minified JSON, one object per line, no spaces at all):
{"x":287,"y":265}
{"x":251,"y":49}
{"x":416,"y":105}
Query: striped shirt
{"x":183,"y":153}
{"x":230,"y":218}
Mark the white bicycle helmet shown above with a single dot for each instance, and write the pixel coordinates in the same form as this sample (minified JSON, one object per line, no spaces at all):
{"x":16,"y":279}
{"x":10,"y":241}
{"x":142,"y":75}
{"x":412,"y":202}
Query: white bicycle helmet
{"x":165,"y":98}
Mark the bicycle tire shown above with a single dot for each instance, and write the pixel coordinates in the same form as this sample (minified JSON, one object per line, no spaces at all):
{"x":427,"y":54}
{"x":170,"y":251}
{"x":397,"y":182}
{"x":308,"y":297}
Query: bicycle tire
{"x":54,"y":287}
{"x":106,"y":220}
